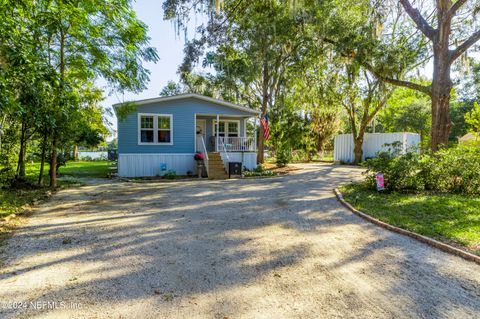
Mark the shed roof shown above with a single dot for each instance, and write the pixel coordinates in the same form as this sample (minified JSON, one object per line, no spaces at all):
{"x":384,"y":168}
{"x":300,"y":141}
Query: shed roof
{"x":192,"y":96}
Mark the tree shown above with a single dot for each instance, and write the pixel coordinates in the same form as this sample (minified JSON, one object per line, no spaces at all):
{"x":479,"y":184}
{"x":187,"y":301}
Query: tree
{"x":28,"y":81}
{"x":407,"y":111}
{"x":87,"y":40}
{"x":311,"y":89}
{"x":251,"y":54}
{"x":172,"y":88}
{"x":364,"y":96}
{"x":441,"y":34}
{"x":51,"y":53}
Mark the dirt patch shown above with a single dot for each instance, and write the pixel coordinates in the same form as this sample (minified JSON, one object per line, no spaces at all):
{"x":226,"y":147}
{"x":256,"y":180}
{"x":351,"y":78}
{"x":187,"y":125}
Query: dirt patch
{"x":281,"y":169}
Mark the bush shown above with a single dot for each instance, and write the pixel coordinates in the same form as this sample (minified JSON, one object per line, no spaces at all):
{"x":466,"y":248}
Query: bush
{"x":7,"y":175}
{"x":453,"y":170}
{"x":259,"y":171}
{"x":301,"y":156}
{"x":399,"y":170}
{"x":170,"y":174}
{"x":283,"y":156}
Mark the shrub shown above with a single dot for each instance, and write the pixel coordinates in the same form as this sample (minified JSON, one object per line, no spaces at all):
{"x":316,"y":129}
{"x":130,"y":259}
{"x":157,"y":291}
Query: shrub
{"x":7,"y":175}
{"x":259,"y":171}
{"x":170,"y":174}
{"x":301,"y":156}
{"x":400,"y":172}
{"x":453,"y":170}
{"x":283,"y":156}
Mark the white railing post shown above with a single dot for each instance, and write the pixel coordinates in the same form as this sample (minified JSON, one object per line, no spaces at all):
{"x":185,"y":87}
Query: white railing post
{"x":204,"y":149}
{"x":218,"y":129}
{"x":225,"y":151}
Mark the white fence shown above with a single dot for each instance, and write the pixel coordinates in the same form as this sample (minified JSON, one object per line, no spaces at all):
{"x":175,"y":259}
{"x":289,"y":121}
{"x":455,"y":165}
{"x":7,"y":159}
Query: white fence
{"x":92,"y":155}
{"x":372,"y":144}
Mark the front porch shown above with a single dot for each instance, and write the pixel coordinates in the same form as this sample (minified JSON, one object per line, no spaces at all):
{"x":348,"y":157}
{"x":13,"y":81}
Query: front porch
{"x":230,"y":136}
{"x":224,"y":143}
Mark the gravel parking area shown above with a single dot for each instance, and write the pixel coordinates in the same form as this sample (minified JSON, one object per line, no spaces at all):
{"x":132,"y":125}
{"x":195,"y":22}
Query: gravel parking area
{"x":279,"y":247}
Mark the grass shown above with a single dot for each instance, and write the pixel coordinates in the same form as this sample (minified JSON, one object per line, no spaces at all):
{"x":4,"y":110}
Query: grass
{"x":451,"y":218}
{"x":327,"y":157}
{"x":75,"y":169}
{"x":11,"y":200}
{"x":87,"y":169}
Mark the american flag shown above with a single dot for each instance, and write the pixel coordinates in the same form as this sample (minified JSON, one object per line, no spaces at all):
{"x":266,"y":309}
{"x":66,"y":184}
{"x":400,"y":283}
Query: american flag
{"x":266,"y":130}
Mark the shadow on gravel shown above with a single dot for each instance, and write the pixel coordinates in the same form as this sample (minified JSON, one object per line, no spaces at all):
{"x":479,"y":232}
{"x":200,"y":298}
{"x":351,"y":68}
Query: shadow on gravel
{"x":192,"y":237}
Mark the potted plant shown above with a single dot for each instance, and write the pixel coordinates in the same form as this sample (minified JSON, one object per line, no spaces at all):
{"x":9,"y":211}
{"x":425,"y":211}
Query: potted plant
{"x":199,"y":157}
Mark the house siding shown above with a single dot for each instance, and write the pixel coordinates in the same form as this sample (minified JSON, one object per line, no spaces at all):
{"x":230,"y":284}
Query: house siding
{"x":183,"y":114}
{"x":139,"y":165}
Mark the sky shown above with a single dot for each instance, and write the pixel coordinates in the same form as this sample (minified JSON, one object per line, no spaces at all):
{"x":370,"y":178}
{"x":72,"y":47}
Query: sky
{"x":170,"y":50}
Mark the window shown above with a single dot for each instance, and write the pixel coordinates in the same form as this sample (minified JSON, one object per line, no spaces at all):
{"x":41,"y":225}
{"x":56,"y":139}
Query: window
{"x":146,"y":129}
{"x":226,"y":128}
{"x":155,"y":129}
{"x":164,"y":129}
{"x":233,"y":129}
{"x":221,"y":129}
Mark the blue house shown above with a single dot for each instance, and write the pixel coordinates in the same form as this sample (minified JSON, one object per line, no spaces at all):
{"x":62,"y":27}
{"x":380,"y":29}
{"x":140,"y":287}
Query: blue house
{"x":164,"y":134}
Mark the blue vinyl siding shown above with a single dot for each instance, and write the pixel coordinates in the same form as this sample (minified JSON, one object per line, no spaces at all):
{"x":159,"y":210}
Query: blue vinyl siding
{"x":183,"y":112}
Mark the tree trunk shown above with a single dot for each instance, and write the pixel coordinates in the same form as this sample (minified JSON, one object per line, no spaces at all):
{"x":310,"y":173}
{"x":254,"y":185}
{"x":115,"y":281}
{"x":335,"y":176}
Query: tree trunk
{"x":53,"y":163}
{"x":261,"y":146}
{"x":42,"y":160}
{"x":440,"y":121}
{"x":441,"y":82}
{"x":53,"y":158}
{"x":265,"y":101}
{"x":75,"y":152}
{"x":441,"y":90}
{"x":22,"y":153}
{"x":357,"y":149}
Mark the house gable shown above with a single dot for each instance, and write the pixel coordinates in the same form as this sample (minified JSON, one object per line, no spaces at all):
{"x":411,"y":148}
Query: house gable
{"x":183,"y":112}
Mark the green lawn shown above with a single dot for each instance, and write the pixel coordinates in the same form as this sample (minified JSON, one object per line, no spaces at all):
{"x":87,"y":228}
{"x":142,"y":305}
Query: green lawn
{"x":75,"y":169}
{"x":12,"y":200}
{"x":451,"y":218}
{"x":87,"y":169}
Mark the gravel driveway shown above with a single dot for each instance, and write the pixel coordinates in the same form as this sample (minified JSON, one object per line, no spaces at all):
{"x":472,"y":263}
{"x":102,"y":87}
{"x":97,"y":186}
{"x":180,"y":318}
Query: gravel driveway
{"x":278,"y":247}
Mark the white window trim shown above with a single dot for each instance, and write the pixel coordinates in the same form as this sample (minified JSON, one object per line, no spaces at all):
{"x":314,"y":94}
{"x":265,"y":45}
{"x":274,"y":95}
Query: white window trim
{"x":214,"y":132}
{"x":155,"y":128}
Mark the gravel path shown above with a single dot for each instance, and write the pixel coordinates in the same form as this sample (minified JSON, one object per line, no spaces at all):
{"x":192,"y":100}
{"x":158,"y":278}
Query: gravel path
{"x":256,"y":248}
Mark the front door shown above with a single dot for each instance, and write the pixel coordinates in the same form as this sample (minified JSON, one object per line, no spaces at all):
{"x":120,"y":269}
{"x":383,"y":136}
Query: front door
{"x":201,"y":131}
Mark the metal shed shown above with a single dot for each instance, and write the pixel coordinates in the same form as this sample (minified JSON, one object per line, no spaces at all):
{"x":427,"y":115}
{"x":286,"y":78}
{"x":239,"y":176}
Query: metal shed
{"x":372,"y":144}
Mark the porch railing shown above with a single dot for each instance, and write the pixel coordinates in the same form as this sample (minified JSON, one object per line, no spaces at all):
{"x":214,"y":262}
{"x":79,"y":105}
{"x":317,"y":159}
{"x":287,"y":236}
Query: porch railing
{"x":224,"y":151}
{"x":205,"y":153}
{"x":235,"y":144}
